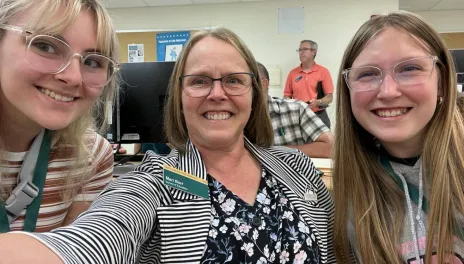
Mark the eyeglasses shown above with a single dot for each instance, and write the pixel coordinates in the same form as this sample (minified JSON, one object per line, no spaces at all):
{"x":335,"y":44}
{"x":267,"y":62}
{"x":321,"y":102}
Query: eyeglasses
{"x":408,"y":72}
{"x":303,"y":50}
{"x":233,"y":84}
{"x":48,"y":54}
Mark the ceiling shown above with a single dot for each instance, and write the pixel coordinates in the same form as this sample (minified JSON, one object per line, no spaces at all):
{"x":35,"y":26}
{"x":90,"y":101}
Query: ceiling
{"x":144,"y":3}
{"x":410,"y":5}
{"x":431,"y":5}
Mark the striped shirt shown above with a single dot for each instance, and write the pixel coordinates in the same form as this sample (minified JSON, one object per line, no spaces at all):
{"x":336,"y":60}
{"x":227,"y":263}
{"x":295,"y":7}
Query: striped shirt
{"x":138,"y":219}
{"x":53,"y":208}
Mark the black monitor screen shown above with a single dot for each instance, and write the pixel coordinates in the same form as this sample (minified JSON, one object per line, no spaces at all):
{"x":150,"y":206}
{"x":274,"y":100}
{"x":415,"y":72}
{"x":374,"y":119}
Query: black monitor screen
{"x":139,"y":113}
{"x":458,"y":56}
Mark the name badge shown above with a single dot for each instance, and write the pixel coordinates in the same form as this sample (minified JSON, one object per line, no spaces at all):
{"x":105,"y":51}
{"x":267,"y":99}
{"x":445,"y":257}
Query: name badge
{"x":183,"y":181}
{"x":299,"y":78}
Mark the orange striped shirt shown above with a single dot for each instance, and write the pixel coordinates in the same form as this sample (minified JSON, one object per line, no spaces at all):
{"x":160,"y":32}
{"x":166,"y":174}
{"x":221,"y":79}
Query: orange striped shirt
{"x":53,"y":208}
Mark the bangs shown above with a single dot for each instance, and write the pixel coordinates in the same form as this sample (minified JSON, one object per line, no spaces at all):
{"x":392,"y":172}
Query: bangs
{"x":55,"y":16}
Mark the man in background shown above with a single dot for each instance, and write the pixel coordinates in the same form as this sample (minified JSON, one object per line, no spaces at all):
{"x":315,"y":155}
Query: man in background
{"x":295,"y":125}
{"x":310,"y":82}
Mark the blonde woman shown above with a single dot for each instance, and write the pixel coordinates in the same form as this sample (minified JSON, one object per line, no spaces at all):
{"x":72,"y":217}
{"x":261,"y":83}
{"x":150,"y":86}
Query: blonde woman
{"x":399,"y":150}
{"x":57,"y":65}
{"x":222,"y":195}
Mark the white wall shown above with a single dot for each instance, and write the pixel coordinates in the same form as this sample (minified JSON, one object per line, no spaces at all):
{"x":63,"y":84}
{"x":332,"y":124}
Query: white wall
{"x":331,"y":23}
{"x":445,"y":20}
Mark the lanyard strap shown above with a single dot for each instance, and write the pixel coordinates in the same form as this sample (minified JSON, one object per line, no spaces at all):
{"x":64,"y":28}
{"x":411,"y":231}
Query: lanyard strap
{"x":40,"y":173}
{"x":414,"y":193}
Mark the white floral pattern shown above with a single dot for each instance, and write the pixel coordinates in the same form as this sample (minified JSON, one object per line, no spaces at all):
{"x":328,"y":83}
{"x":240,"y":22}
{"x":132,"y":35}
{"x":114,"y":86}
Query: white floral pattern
{"x":237,"y":236}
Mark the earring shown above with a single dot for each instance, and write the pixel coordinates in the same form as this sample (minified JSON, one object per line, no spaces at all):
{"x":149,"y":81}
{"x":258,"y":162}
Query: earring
{"x":376,"y":142}
{"x":440,"y":100}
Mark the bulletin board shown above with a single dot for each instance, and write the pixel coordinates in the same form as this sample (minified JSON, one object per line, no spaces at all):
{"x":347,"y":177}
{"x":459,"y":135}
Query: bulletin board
{"x":454,"y":40}
{"x":148,"y":39}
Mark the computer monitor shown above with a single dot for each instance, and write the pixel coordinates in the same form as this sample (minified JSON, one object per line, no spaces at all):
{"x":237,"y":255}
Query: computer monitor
{"x":140,"y":102}
{"x":458,"y":56}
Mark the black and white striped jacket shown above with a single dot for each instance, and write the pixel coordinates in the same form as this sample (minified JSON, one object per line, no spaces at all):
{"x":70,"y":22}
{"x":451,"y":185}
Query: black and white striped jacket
{"x":138,"y":219}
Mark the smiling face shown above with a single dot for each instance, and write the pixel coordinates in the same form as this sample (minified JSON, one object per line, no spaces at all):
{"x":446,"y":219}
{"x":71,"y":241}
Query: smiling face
{"x":395,"y":114}
{"x":34,"y":99}
{"x":216,"y":121}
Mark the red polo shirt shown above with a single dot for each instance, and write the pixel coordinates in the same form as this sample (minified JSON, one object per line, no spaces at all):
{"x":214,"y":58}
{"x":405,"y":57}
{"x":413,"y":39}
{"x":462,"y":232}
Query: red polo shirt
{"x":303,"y":85}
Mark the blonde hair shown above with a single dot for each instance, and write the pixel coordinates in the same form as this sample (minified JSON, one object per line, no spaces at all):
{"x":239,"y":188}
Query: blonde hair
{"x":53,"y":17}
{"x":363,"y":189}
{"x":258,"y":128}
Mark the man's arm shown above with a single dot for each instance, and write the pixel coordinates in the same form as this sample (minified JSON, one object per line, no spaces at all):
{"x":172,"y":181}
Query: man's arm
{"x":328,"y":87}
{"x":320,"y":148}
{"x":316,"y":134}
{"x":326,"y":100}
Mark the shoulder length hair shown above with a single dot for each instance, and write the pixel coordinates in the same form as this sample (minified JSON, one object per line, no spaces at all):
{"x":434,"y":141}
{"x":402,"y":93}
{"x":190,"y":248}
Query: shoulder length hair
{"x":258,"y":128}
{"x":53,"y":17}
{"x":364,"y":192}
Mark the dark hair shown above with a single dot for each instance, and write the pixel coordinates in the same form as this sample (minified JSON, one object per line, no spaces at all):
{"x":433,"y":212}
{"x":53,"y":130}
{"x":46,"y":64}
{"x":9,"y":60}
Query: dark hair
{"x":263,"y":71}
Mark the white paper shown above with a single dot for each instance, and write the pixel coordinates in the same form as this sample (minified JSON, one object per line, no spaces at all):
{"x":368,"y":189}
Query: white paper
{"x":291,"y":20}
{"x":274,"y":75}
{"x":135,"y":53}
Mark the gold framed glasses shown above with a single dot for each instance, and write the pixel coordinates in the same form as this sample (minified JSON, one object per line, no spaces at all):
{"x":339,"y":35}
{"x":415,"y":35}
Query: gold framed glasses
{"x":233,"y":84}
{"x":51,"y":55}
{"x":408,"y":72}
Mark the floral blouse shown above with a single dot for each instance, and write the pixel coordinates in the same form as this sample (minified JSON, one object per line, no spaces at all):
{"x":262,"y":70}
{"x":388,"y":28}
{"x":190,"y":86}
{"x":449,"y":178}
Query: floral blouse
{"x":270,"y":231}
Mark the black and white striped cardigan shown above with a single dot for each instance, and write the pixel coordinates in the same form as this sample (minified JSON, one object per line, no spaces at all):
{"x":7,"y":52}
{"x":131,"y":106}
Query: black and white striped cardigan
{"x":138,"y":219}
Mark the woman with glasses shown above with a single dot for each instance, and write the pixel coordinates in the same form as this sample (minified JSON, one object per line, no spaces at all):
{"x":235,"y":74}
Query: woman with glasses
{"x":399,"y":147}
{"x":57,"y":61}
{"x":222,"y":196}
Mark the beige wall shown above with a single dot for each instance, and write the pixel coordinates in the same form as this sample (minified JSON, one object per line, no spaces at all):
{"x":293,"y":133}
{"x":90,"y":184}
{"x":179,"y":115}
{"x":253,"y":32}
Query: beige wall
{"x":331,"y":23}
{"x":446,"y":20}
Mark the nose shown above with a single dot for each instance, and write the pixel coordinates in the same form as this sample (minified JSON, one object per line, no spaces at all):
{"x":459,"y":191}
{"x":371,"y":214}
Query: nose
{"x":71,"y":75}
{"x":389,"y":88}
{"x":217,"y":92}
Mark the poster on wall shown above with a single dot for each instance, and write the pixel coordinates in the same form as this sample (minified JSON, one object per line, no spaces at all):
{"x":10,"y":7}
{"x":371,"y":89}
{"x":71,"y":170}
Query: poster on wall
{"x":291,"y":20}
{"x":135,"y":53}
{"x":170,"y":44}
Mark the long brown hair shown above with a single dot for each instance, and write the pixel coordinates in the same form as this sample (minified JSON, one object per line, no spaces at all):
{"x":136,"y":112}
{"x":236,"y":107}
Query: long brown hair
{"x":258,"y":128}
{"x":364,"y":192}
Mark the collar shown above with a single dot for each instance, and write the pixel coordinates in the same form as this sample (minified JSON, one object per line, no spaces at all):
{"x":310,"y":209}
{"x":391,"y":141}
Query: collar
{"x":273,"y":105}
{"x":191,"y":163}
{"x":315,"y":68}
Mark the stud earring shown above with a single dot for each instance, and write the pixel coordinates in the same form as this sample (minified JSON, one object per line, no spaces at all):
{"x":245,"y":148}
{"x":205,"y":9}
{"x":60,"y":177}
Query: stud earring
{"x":440,"y":100}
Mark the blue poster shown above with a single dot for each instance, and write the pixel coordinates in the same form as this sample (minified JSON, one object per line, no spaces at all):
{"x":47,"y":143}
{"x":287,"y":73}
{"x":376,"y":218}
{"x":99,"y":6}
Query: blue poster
{"x":170,"y":44}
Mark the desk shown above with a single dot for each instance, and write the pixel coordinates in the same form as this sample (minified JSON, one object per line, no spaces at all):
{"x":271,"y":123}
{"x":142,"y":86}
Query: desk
{"x":324,"y":165}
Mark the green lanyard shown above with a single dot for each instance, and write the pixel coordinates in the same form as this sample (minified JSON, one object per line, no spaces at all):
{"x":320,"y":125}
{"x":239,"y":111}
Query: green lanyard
{"x":414,"y":193}
{"x":40,"y":173}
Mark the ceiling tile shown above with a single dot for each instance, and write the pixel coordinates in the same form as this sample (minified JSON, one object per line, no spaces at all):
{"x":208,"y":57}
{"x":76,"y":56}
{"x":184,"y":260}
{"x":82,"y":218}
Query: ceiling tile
{"x":123,"y":3}
{"x":214,"y":1}
{"x":167,"y":2}
{"x":449,"y":5}
{"x":417,"y":5}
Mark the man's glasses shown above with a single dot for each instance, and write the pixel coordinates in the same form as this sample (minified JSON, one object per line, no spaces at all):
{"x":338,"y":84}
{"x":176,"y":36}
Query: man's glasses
{"x":303,"y":50}
{"x":408,"y":72}
{"x":48,"y":54}
{"x":233,"y":84}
